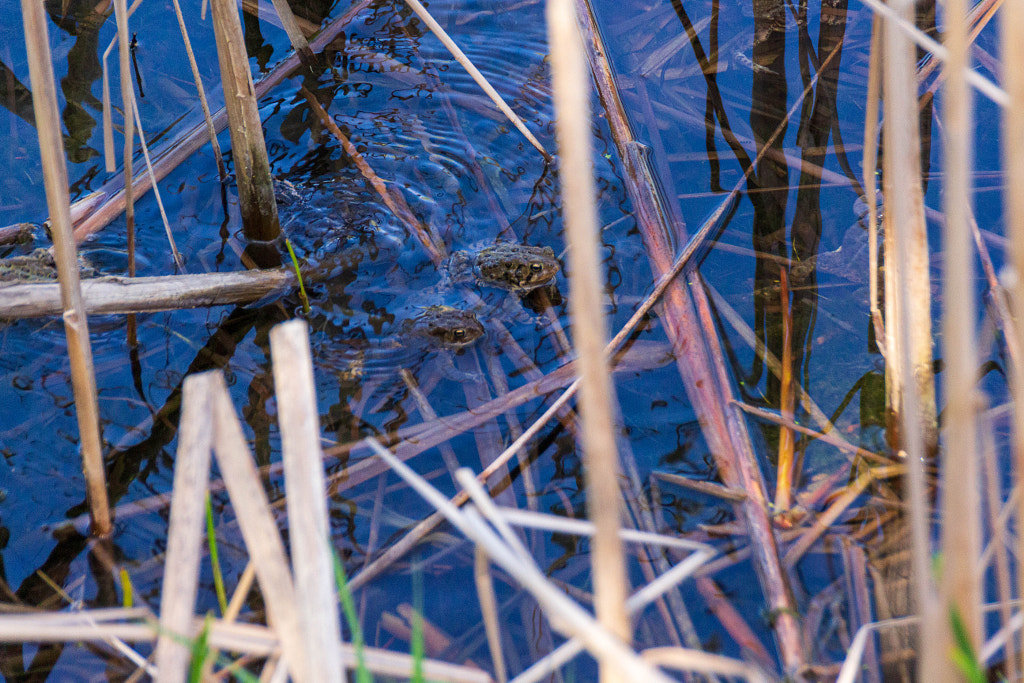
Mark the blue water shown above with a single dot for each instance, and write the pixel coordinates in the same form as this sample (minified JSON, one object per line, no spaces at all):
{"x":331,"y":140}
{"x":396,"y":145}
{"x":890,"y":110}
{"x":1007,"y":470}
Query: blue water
{"x":431,"y":135}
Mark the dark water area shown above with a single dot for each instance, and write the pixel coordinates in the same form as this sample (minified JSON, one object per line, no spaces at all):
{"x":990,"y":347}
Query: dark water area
{"x":705,"y":86}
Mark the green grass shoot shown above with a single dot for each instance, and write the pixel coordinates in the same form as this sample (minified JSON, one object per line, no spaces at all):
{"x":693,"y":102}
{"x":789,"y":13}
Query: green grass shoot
{"x":418,"y":645}
{"x":962,"y":653}
{"x":200,"y":651}
{"x":211,"y":541}
{"x":298,"y":274}
{"x":348,"y":606}
{"x":127,"y":594}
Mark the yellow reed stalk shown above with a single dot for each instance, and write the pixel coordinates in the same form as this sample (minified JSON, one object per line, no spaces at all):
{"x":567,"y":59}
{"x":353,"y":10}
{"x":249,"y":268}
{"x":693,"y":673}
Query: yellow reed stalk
{"x":907,"y":289}
{"x":786,"y":465}
{"x":1012,"y":23}
{"x":248,"y":149}
{"x":960,"y":587}
{"x":295,"y":34}
{"x":570,"y":78}
{"x":55,"y":179}
{"x":127,"y":91}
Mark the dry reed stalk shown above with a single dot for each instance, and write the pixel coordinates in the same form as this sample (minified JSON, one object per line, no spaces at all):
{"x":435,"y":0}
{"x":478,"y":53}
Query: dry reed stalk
{"x":572,"y":107}
{"x":823,"y":521}
{"x":99,"y":208}
{"x":1012,"y":52}
{"x":786,"y":472}
{"x":869,"y":165}
{"x":248,"y":149}
{"x":695,"y":660}
{"x":907,"y":288}
{"x":567,"y":616}
{"x":309,"y":531}
{"x":142,"y":294}
{"x":857,"y":573}
{"x":127,"y":93}
{"x":262,"y":539}
{"x":489,"y":611}
{"x":264,"y":11}
{"x":211,"y":130}
{"x":156,"y":190}
{"x":295,"y":34}
{"x":733,"y":622}
{"x":831,"y":438}
{"x":185,"y":532}
{"x":478,"y":77}
{"x":960,"y":588}
{"x":500,"y":518}
{"x":55,"y":179}
{"x":253,"y":639}
{"x":905,"y":25}
{"x":706,"y":487}
{"x":705,"y":379}
{"x":1004,"y":582}
{"x":451,"y":460}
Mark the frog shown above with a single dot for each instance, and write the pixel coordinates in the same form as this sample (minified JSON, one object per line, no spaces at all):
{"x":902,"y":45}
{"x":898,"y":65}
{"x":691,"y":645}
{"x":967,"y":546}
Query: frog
{"x":516,"y":268}
{"x":38,"y":266}
{"x":439,"y":332}
{"x":446,"y":327}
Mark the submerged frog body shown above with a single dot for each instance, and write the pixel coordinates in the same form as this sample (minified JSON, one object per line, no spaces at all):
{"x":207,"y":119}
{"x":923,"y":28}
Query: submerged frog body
{"x":436,"y":333}
{"x":518,"y":268}
{"x":445,"y":326}
{"x":35,"y":267}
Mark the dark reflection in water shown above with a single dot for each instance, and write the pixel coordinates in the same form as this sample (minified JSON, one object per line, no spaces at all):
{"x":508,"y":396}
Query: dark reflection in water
{"x":83,"y":20}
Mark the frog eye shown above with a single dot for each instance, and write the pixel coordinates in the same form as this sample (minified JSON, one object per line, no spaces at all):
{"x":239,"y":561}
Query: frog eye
{"x":536,"y":267}
{"x":459,"y":332}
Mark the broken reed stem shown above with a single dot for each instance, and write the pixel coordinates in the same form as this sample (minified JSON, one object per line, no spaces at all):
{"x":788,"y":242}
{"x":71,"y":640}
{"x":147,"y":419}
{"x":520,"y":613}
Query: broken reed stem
{"x":960,"y":588}
{"x":257,"y":524}
{"x":295,"y":34}
{"x":478,"y":77}
{"x":210,"y":128}
{"x":309,"y":531}
{"x":248,"y":149}
{"x":184,"y":538}
{"x":127,"y":92}
{"x":907,"y":284}
{"x":76,"y":326}
{"x":1012,"y":49}
{"x":570,"y":82}
{"x":146,"y":294}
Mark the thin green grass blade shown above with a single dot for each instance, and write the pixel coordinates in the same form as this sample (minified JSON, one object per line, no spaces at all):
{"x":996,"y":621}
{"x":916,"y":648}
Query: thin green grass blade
{"x":200,"y":651}
{"x":348,"y":606}
{"x":211,"y":540}
{"x":962,"y":653}
{"x":418,"y":646}
{"x":128,"y":596}
{"x":295,"y":264}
